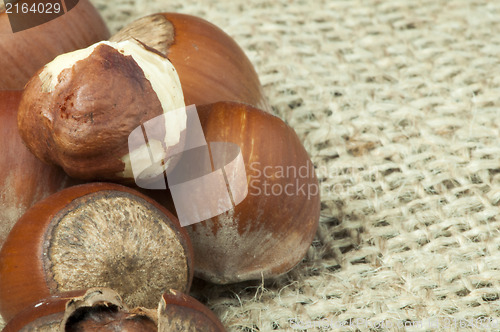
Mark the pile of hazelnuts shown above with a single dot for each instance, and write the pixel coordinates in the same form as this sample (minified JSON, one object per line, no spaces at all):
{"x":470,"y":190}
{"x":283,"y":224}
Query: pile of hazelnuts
{"x":83,"y":246}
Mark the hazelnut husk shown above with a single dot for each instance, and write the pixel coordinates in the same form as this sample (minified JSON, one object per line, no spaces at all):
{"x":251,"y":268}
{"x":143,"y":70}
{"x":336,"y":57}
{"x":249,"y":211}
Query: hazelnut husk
{"x":212,"y":67}
{"x":24,"y":179}
{"x":79,"y":110}
{"x":24,"y":52}
{"x":271,"y":229}
{"x":94,"y":235}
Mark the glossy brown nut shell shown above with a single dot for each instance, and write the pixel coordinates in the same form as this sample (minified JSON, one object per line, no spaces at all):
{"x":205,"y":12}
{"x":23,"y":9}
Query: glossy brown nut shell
{"x":270,"y":231}
{"x":94,"y":235}
{"x":80,"y":115}
{"x":24,"y":179}
{"x":178,"y":311}
{"x":212,"y":67}
{"x":102,"y":309}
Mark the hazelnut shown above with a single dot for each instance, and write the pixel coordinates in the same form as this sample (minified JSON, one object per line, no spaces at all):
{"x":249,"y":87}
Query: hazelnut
{"x":99,"y":309}
{"x":24,"y":52}
{"x":211,"y":65}
{"x":102,"y":309}
{"x":43,"y":315}
{"x":24,"y":179}
{"x":270,"y":231}
{"x":94,"y":235}
{"x":78,"y":111}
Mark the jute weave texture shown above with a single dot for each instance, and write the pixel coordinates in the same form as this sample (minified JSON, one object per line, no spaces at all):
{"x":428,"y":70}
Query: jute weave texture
{"x":398,"y":105}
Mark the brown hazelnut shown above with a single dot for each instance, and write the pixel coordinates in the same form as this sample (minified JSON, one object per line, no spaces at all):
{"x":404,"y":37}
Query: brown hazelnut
{"x":24,"y":179}
{"x":95,"y":309}
{"x":181,"y":312}
{"x":24,"y":52}
{"x":94,"y":235}
{"x":79,"y":110}
{"x":211,"y":65}
{"x":43,"y":315}
{"x":102,"y":309}
{"x":270,"y":231}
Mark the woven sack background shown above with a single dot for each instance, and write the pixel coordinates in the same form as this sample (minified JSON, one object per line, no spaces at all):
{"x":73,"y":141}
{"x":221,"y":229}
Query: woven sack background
{"x":397,"y":103}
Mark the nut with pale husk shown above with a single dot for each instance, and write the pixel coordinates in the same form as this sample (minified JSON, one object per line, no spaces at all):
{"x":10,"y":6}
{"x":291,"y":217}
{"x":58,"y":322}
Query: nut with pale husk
{"x":24,"y":52}
{"x":211,"y":65}
{"x":272,"y":201}
{"x":94,"y":235}
{"x":102,"y":309}
{"x":78,"y":111}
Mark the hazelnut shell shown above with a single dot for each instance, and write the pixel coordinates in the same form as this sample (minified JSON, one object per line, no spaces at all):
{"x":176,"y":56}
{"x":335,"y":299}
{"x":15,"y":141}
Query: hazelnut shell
{"x":102,"y":309}
{"x":270,"y":231}
{"x":24,"y":52}
{"x":24,"y":179}
{"x":82,"y":120}
{"x":48,"y":313}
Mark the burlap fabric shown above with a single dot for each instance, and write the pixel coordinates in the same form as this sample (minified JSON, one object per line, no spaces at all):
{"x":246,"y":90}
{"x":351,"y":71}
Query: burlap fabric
{"x":397,"y":103}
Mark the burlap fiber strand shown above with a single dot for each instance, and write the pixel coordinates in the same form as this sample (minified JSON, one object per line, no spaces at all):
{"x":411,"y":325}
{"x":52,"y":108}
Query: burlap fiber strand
{"x":398,"y":104}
